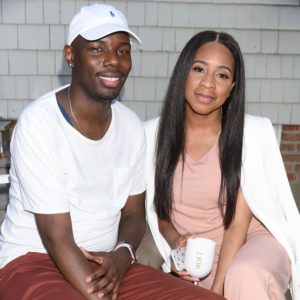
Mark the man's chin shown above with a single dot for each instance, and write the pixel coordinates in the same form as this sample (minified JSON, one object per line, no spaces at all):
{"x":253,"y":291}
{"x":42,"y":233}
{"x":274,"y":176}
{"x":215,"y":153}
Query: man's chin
{"x":107,"y":98}
{"x":106,"y":101}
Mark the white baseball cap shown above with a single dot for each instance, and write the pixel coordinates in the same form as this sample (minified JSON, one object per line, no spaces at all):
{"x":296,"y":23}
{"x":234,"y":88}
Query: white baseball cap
{"x":97,"y":21}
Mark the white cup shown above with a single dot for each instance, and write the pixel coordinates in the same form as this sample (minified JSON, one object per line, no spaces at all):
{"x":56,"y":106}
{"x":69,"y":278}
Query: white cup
{"x":199,"y":256}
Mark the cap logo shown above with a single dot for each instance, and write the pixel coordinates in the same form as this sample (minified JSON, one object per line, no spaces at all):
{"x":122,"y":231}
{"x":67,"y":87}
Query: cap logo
{"x":112,"y":14}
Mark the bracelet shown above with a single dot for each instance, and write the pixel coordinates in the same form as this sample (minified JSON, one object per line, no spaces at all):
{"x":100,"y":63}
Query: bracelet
{"x":130,"y":248}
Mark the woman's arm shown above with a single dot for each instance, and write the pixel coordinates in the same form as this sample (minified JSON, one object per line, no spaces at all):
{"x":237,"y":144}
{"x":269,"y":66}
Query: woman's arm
{"x":175,"y":240}
{"x":171,"y":235}
{"x":233,"y":239}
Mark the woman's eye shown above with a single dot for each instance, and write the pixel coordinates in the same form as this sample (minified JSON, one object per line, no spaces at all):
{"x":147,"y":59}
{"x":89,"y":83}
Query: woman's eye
{"x":198,"y":69}
{"x":223,"y":76}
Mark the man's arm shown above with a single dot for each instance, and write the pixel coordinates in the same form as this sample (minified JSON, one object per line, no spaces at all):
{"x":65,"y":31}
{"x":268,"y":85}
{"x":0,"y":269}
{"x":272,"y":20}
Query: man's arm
{"x":57,"y":236}
{"x":115,"y":264}
{"x":133,"y":223}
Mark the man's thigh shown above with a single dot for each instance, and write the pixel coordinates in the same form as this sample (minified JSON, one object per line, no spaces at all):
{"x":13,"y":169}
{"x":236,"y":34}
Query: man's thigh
{"x":34,"y":276}
{"x":147,"y":283}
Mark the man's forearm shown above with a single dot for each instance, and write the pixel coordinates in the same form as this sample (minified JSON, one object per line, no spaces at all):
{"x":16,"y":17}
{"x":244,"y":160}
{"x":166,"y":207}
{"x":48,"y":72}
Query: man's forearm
{"x":72,"y":264}
{"x":132,"y":229}
{"x":57,"y":236}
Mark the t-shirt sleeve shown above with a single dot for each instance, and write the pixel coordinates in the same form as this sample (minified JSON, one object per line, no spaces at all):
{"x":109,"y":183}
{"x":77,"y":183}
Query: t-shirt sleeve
{"x":37,"y":169}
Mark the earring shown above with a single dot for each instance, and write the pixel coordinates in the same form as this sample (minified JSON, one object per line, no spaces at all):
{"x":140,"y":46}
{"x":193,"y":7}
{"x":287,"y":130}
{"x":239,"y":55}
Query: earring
{"x":70,"y":65}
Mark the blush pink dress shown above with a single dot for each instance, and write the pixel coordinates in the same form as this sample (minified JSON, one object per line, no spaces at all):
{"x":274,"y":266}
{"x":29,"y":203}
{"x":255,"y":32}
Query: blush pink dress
{"x":261,"y":268}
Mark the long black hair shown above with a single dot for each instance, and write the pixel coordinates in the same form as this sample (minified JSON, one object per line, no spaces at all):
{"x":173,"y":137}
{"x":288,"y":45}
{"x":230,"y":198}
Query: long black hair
{"x":171,"y":134}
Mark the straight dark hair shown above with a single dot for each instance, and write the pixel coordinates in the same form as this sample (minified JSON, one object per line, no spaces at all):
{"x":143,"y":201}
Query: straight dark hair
{"x":171,"y":133}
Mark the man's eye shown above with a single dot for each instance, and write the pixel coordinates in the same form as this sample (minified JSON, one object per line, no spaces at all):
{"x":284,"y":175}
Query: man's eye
{"x":124,"y":51}
{"x":96,"y":49}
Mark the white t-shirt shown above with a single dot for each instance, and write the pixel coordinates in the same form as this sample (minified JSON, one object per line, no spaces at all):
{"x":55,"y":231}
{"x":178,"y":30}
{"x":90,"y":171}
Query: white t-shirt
{"x":55,"y":169}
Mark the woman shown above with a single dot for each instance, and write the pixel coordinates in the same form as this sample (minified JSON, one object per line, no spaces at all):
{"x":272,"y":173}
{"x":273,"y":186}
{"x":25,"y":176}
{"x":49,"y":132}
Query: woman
{"x":217,"y":173}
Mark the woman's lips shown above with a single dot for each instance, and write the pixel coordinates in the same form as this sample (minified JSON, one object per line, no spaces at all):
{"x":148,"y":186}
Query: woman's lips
{"x":204,"y":98}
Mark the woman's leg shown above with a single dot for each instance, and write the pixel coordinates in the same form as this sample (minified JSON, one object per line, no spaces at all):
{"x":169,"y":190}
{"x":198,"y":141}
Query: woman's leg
{"x":147,"y":283}
{"x":260,"y":270}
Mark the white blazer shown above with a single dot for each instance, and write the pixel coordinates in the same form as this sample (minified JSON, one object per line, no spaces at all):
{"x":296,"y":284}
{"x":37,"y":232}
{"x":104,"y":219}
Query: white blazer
{"x":264,"y":184}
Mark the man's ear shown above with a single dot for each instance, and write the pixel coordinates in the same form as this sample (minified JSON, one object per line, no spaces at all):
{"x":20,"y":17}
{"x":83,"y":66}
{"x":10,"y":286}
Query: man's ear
{"x":68,"y":53}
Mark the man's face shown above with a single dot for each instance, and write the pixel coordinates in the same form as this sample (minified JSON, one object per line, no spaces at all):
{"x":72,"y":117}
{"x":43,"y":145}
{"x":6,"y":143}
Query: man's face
{"x":101,"y":67}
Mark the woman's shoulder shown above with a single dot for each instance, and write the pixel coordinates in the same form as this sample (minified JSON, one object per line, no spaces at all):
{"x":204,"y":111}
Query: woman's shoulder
{"x":256,"y":125}
{"x":258,"y":131}
{"x":256,"y":121}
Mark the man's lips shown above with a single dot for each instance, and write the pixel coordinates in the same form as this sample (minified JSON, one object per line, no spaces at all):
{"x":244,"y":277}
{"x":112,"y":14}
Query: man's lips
{"x":110,"y":81}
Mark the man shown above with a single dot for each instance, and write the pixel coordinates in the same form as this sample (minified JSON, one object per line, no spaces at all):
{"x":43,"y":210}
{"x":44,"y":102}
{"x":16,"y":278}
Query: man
{"x":76,"y":210}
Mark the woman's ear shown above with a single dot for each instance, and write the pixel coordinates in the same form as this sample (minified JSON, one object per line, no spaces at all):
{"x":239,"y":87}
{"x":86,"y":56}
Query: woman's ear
{"x":68,"y":53}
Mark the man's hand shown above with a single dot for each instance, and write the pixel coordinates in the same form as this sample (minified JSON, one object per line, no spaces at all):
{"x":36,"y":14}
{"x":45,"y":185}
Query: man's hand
{"x":106,"y":279}
{"x":57,"y":236}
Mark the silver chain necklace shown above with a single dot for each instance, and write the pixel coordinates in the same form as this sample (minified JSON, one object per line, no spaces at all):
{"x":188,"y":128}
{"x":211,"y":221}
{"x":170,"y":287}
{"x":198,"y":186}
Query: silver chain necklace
{"x":76,"y":121}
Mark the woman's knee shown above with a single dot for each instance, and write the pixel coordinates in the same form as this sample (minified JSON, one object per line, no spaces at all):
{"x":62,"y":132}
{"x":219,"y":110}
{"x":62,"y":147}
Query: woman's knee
{"x":244,"y":270}
{"x":249,"y":280}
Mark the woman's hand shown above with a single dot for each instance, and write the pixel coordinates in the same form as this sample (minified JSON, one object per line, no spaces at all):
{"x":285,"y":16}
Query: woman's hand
{"x":181,"y":242}
{"x":106,"y":279}
{"x":186,"y":276}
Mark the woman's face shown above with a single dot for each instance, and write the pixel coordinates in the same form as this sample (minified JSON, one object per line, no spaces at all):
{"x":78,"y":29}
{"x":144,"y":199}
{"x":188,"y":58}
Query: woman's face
{"x":210,"y":79}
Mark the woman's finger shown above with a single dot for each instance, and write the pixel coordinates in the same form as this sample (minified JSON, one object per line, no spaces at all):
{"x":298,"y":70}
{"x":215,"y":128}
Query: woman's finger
{"x":189,"y":278}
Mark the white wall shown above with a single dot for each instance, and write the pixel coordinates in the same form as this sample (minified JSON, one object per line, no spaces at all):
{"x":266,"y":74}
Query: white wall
{"x":32,"y":35}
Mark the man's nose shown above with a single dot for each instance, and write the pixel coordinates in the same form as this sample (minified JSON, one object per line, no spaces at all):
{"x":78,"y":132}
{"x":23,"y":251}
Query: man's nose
{"x":111,"y":59}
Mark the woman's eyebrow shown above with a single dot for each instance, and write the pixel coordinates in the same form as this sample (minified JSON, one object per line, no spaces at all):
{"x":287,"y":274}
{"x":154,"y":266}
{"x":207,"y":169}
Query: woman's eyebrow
{"x":219,"y":67}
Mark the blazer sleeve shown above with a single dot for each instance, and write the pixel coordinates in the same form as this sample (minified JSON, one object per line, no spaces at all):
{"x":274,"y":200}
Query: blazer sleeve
{"x":267,"y":191}
{"x":161,"y":244}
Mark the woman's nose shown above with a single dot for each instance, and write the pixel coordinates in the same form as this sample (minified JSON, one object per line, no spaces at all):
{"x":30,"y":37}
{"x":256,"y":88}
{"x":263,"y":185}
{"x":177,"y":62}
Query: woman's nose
{"x":208,"y":80}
